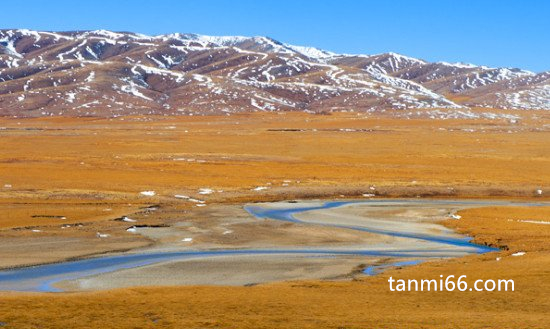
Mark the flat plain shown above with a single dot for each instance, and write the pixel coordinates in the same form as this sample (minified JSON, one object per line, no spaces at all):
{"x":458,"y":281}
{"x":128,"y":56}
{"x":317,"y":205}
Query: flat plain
{"x":64,"y":180}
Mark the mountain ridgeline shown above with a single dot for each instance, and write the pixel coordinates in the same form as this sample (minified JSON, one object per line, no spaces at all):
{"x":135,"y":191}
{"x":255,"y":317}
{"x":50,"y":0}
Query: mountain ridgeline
{"x":103,"y":73}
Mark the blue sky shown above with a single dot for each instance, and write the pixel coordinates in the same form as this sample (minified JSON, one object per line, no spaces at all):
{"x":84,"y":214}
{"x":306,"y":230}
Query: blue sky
{"x":494,"y":33}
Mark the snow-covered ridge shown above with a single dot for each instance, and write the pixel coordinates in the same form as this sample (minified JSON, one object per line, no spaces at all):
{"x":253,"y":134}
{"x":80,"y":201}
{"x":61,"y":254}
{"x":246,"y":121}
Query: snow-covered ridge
{"x":232,"y":41}
{"x":90,"y":71}
{"x":312,"y":52}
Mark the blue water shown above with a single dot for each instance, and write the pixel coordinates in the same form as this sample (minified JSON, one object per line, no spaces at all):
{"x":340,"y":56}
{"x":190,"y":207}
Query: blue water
{"x":43,"y":277}
{"x":288,"y":215}
{"x":376,"y":269}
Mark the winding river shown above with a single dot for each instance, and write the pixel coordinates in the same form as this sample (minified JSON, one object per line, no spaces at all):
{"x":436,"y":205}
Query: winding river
{"x":42,"y":278}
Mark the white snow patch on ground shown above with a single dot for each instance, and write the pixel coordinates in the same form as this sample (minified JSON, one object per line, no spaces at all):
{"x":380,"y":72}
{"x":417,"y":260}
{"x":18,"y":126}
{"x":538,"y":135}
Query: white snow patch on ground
{"x":90,"y":77}
{"x":131,"y":88}
{"x":71,"y":96}
{"x":535,"y":222}
{"x":10,"y":47}
{"x":205,"y":191}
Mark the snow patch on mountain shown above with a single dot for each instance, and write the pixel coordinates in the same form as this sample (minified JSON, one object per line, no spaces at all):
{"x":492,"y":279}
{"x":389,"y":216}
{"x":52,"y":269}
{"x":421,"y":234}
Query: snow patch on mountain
{"x":313,"y":53}
{"x":196,"y":75}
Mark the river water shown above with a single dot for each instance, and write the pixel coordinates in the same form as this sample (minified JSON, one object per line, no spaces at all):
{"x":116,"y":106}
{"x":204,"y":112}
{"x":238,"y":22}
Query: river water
{"x":42,"y":278}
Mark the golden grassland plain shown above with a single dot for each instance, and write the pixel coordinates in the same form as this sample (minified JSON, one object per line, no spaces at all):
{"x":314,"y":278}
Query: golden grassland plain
{"x":85,"y":172}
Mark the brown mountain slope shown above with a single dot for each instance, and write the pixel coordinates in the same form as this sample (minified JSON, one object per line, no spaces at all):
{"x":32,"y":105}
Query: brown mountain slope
{"x":103,"y":73}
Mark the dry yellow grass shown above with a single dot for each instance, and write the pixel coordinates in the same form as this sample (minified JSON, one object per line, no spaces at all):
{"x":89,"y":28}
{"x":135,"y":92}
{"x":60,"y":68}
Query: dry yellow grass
{"x":90,"y":162}
{"x":83,"y":155}
{"x":52,"y":213}
{"x":64,"y":162}
{"x":525,"y":228}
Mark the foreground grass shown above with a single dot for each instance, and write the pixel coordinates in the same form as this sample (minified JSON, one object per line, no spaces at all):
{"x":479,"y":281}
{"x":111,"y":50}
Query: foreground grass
{"x":365,"y":303}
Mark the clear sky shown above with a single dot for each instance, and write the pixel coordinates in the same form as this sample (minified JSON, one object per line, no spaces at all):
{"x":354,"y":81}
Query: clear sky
{"x":509,"y":33}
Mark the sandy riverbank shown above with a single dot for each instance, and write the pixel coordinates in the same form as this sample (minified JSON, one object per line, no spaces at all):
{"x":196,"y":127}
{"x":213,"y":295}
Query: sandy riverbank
{"x":427,"y":240}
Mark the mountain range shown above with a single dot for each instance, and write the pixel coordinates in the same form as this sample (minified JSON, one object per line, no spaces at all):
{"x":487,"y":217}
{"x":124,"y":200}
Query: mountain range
{"x":104,"y":73}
